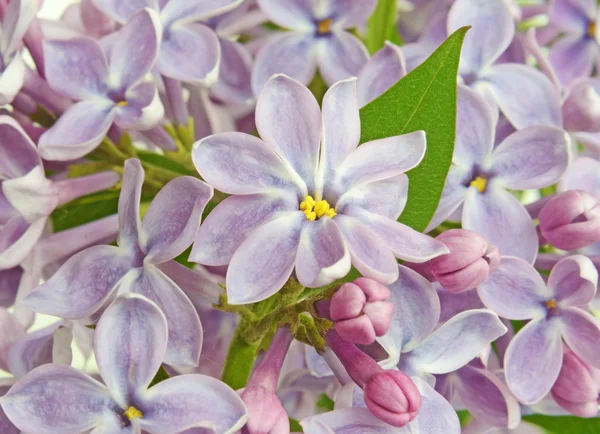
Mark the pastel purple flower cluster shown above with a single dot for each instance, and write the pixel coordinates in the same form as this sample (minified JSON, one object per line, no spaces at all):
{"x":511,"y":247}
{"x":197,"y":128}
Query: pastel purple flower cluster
{"x":194,"y":237}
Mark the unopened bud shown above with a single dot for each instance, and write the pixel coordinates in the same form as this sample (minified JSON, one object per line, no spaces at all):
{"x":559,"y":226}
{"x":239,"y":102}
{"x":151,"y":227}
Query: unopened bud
{"x":470,"y":261}
{"x":266,"y":415}
{"x":571,"y":220}
{"x":361,"y":311}
{"x":577,"y":387}
{"x":393,"y":397}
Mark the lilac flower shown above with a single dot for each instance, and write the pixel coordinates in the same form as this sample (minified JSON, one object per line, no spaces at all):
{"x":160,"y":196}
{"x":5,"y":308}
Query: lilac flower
{"x":27,"y":198}
{"x":110,"y":91}
{"x":557,"y":311}
{"x":381,"y":72}
{"x":188,"y":50}
{"x":577,"y":51}
{"x":130,"y":342}
{"x":317,"y":38}
{"x":16,"y":20}
{"x":291,"y":208}
{"x":525,"y":96}
{"x":88,"y":279}
{"x":480,"y":174}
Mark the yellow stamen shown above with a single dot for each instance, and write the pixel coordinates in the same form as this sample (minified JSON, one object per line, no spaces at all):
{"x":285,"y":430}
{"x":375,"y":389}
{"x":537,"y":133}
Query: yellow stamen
{"x":591,"y":29}
{"x":479,"y":183}
{"x":132,"y":412}
{"x":551,"y":304}
{"x":122,"y":103}
{"x":324,"y":26}
{"x":314,"y":210}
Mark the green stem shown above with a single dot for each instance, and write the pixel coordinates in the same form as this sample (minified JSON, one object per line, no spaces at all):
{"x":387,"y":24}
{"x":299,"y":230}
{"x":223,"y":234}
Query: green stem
{"x":239,"y":361}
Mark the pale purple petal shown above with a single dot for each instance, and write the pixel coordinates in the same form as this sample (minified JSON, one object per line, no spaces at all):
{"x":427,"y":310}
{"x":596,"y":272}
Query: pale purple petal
{"x":129,"y":204}
{"x":238,"y":163}
{"x":351,"y":420}
{"x":129,"y":344}
{"x":12,"y":79}
{"x":18,"y":16}
{"x":83,"y":283}
{"x":288,"y":119}
{"x":503,"y":220}
{"x":457,"y":342}
{"x":17,"y":238}
{"x":581,"y":331}
{"x":436,"y":415}
{"x":78,"y":131}
{"x":381,"y":159}
{"x":531,"y":158}
{"x":492,"y":31}
{"x":574,"y":281}
{"x":57,"y":399}
{"x":370,"y":254}
{"x":322,"y":256}
{"x":572,"y":16}
{"x":294,"y":14}
{"x":533,"y":360}
{"x":185,"y":331}
{"x":120,"y":10}
{"x":230,"y":223}
{"x":172,"y":219}
{"x":186,"y":11}
{"x":290,"y":53}
{"x":524,"y":94}
{"x":341,"y":56}
{"x":453,"y":195}
{"x":572,"y":57}
{"x":9,"y":284}
{"x":348,"y":13}
{"x":381,"y":72}
{"x":515,"y":290}
{"x":144,"y":108}
{"x":18,"y":154}
{"x":583,"y":174}
{"x":76,"y":67}
{"x":136,"y":49}
{"x":234,"y":84}
{"x":12,"y":330}
{"x":265,"y":260}
{"x":32,"y":195}
{"x":190,"y":53}
{"x":190,"y":401}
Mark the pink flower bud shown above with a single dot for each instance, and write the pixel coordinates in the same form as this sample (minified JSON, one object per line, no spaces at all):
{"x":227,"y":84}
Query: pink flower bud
{"x":571,"y":220}
{"x":470,"y":261}
{"x":361,"y":311}
{"x":393,"y":397}
{"x":266,"y":415}
{"x":578,"y":386}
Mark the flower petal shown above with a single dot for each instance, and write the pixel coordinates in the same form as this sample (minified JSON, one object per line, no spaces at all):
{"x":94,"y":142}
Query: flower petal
{"x":574,"y":281}
{"x":121,"y":11}
{"x":340,"y":56}
{"x":129,"y":204}
{"x":531,"y":158}
{"x":12,"y":79}
{"x":238,"y":163}
{"x":83,"y":283}
{"x":18,"y":16}
{"x":582,"y":175}
{"x":322,"y":256}
{"x":369,"y":253}
{"x":572,"y":57}
{"x":57,"y":399}
{"x":129,"y":344}
{"x":234,"y":85}
{"x":185,"y":11}
{"x":76,"y":67}
{"x":294,"y":14}
{"x":190,"y":52}
{"x":457,"y":342}
{"x":436,"y":415}
{"x":185,"y":331}
{"x":533,"y":360}
{"x":230,"y":223}
{"x":380,"y":73}
{"x":192,"y":400}
{"x":351,"y":420}
{"x":453,"y":195}
{"x":348,"y":14}
{"x":524,"y":94}
{"x":144,"y":108}
{"x":503,"y":220}
{"x":78,"y":131}
{"x":288,"y":119}
{"x":581,"y":331}
{"x":515,"y":290}
{"x":264,"y":261}
{"x":290,"y":53}
{"x":172,"y":219}
{"x":17,"y":239}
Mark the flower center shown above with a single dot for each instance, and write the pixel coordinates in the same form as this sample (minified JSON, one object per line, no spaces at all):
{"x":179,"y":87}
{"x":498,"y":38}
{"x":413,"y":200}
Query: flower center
{"x":324,"y":26}
{"x":314,"y":210}
{"x":122,"y":103}
{"x":591,"y":29}
{"x":479,"y":183}
{"x":132,"y":412}
{"x":551,"y":304}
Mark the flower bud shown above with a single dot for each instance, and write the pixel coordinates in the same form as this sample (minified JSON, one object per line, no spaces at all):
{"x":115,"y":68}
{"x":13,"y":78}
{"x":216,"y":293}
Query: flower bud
{"x":581,"y":109}
{"x":266,"y":415}
{"x":393,"y":397}
{"x":571,"y":220}
{"x":361,"y":311}
{"x":577,"y":387}
{"x":470,"y":261}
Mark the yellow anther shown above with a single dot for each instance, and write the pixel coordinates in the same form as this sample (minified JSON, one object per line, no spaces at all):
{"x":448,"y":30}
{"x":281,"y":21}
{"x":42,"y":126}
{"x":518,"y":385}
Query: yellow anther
{"x":314,"y":210}
{"x":551,"y":304}
{"x":310,"y":215}
{"x":307,"y":204}
{"x":321,"y":208}
{"x":132,"y":412}
{"x":331,"y":213}
{"x":479,"y":183}
{"x":324,"y":26}
{"x":122,"y":103}
{"x":591,"y":29}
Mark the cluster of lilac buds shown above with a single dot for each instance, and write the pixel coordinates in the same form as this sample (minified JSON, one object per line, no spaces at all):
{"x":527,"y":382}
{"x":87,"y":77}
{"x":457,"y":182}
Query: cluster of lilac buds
{"x":286,"y":216}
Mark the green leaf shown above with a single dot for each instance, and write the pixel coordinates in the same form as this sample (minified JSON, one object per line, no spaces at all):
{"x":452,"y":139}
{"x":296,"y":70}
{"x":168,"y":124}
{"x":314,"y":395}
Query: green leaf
{"x":325,"y":403}
{"x":381,"y":25}
{"x":161,"y":375}
{"x":295,"y":426}
{"x":85,"y":209}
{"x":425,"y":99}
{"x":163,"y":162}
{"x":565,"y":424}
